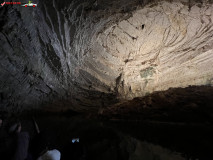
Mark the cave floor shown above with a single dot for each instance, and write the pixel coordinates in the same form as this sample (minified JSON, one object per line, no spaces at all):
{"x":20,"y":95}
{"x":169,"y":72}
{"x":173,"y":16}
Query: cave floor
{"x":104,"y":139}
{"x":176,"y":124}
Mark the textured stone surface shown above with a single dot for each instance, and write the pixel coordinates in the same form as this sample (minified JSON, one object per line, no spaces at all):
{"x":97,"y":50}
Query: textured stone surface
{"x":85,"y":55}
{"x":167,"y":45}
{"x":176,"y":105}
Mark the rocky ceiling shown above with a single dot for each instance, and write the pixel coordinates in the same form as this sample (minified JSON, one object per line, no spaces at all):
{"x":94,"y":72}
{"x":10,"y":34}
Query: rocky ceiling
{"x":84,"y":55}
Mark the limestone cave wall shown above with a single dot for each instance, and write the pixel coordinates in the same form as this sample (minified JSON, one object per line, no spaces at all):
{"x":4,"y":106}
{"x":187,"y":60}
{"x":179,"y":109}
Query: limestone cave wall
{"x":88,"y":54}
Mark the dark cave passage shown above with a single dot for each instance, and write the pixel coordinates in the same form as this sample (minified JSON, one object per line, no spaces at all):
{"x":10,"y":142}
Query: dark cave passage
{"x":174,"y":124}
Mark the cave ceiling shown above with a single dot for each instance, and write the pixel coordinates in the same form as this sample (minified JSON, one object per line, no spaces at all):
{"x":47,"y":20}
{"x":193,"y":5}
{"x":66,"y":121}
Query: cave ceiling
{"x":85,"y":55}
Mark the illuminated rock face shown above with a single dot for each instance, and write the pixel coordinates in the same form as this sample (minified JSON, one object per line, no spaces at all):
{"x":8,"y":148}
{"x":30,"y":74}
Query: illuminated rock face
{"x":163,"y":46}
{"x":84,"y":55}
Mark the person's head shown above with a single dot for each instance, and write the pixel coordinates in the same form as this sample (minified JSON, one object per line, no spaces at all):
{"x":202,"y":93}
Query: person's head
{"x":51,"y":155}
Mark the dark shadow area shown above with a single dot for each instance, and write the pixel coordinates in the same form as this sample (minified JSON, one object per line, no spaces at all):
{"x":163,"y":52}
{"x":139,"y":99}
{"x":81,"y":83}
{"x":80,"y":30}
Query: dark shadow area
{"x":175,"y":124}
{"x":179,"y":105}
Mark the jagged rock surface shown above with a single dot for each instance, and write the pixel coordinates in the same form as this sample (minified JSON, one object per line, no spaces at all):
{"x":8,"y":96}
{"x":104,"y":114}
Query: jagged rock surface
{"x":168,"y":45}
{"x":86,"y":55}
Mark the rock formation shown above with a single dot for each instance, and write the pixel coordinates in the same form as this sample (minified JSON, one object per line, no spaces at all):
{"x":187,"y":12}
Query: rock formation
{"x":84,"y":55}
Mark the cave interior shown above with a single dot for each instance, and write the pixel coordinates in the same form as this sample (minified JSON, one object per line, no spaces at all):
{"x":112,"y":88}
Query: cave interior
{"x":132,"y":79}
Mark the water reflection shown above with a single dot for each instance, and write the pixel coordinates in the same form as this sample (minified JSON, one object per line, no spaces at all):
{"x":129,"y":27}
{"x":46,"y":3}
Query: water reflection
{"x":147,"y":151}
{"x":104,"y":140}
